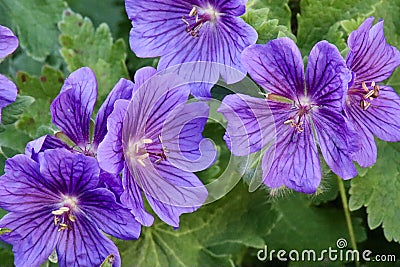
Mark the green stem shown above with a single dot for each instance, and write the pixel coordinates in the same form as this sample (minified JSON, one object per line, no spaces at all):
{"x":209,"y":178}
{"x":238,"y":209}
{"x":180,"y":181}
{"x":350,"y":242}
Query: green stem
{"x":348,"y":216}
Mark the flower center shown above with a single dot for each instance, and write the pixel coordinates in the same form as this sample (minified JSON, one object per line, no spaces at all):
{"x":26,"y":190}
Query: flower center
{"x":302,"y":108}
{"x":139,"y":152}
{"x":369,"y":95}
{"x":63,"y":217}
{"x":197,"y":17}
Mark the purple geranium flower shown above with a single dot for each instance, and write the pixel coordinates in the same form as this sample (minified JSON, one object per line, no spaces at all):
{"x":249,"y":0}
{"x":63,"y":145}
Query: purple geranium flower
{"x":8,"y":90}
{"x":298,"y":104}
{"x":192,"y":31}
{"x":72,"y":109}
{"x":373,"y":109}
{"x":55,"y":204}
{"x":155,"y":140}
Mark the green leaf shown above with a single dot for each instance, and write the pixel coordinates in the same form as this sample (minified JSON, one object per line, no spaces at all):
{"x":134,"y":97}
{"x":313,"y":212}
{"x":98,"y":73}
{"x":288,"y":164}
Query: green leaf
{"x":378,"y":191}
{"x":300,"y":222}
{"x":278,"y":9}
{"x":44,"y":88}
{"x":389,"y":10}
{"x":207,"y":237}
{"x":267,"y":29}
{"x":7,"y":257}
{"x":320,"y":20}
{"x":36,"y":24}
{"x":12,"y":139}
{"x":82,"y":45}
{"x":14,"y":111}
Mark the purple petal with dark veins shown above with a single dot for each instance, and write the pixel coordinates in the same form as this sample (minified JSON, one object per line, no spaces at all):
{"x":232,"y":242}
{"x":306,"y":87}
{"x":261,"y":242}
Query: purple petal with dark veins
{"x":277,"y":66}
{"x":327,"y":76}
{"x":112,"y":182}
{"x":8,"y":41}
{"x":181,"y":135}
{"x":337,"y":141}
{"x":251,"y":124}
{"x":159,"y":30}
{"x":219,"y":44}
{"x":85,"y":245}
{"x":112,"y":218}
{"x":22,"y":187}
{"x":132,"y":198}
{"x":122,"y":90}
{"x":367,"y":154}
{"x":293,"y":161}
{"x":150,"y":106}
{"x":382,"y":117}
{"x":110,"y":154}
{"x":8,"y":92}
{"x":34,"y":236}
{"x":370,"y":56}
{"x":169,"y":190}
{"x":68,"y":173}
{"x":71,"y":110}
{"x":33,"y":148}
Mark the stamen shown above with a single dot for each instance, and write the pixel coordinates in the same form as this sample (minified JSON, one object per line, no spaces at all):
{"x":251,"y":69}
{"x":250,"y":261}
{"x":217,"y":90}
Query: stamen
{"x":288,"y":122}
{"x":195,"y":28}
{"x":369,"y":95}
{"x":193,"y":12}
{"x":63,"y":218}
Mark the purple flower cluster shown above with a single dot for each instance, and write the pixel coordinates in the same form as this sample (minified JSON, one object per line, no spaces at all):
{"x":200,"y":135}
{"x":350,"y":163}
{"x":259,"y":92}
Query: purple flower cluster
{"x":67,"y":190}
{"x":336,"y":105}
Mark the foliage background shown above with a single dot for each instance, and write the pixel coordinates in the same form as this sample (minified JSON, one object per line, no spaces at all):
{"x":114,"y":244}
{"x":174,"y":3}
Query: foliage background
{"x":57,"y":37}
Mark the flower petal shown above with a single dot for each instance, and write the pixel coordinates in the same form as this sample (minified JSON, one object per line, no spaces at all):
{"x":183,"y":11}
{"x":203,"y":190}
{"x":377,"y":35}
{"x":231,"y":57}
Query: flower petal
{"x":111,"y":182}
{"x":68,"y":173}
{"x":222,"y":43}
{"x":159,"y":30}
{"x":327,"y":76}
{"x":150,"y":105}
{"x":169,"y":190}
{"x":293,"y":161}
{"x":251,"y":125}
{"x":85,"y":245}
{"x":71,"y":110}
{"x":8,"y":92}
{"x":22,"y":188}
{"x":8,"y":41}
{"x":156,"y":25}
{"x":277,"y":66}
{"x":181,"y":135}
{"x":370,"y":56}
{"x":33,"y":236}
{"x":382,"y":117}
{"x":112,"y":218}
{"x":110,"y":152}
{"x":33,"y":148}
{"x":132,"y":198}
{"x":122,"y":90}
{"x":367,"y":154}
{"x":337,"y":141}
